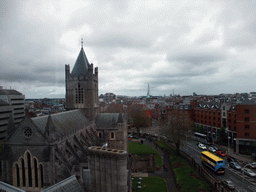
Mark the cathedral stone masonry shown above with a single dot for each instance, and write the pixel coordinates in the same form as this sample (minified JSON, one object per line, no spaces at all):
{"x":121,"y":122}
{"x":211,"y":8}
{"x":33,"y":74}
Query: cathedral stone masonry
{"x":43,"y":151}
{"x":108,"y":169}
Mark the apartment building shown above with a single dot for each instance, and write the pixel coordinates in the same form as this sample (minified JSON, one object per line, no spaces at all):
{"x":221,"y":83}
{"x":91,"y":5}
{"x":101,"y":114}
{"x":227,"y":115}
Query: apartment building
{"x":16,"y":100}
{"x":5,"y":115}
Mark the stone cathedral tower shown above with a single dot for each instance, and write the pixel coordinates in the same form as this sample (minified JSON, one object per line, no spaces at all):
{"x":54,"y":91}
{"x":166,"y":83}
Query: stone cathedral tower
{"x":82,"y":86}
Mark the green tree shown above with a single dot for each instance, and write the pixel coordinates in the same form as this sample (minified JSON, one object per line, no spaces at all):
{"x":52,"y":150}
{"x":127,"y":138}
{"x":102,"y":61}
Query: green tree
{"x":176,"y":128}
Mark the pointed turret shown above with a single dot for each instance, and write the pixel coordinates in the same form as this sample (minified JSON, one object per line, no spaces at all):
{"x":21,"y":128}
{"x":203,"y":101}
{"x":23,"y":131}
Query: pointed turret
{"x":81,"y":66}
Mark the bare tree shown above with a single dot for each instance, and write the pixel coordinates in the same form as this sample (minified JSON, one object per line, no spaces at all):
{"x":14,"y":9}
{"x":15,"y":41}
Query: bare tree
{"x":176,"y":128}
{"x":138,"y":118}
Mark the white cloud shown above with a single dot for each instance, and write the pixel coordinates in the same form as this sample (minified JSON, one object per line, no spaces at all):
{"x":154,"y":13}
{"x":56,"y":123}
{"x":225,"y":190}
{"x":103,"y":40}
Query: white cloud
{"x":200,"y":46}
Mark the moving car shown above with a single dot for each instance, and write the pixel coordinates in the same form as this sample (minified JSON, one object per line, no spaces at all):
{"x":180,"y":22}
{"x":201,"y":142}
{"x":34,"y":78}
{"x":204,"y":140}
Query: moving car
{"x":220,"y":153}
{"x":231,"y":159}
{"x":253,"y":165}
{"x":211,"y":149}
{"x":201,"y":146}
{"x":249,"y":172}
{"x":215,"y":147}
{"x":235,"y":165}
{"x":228,"y":184}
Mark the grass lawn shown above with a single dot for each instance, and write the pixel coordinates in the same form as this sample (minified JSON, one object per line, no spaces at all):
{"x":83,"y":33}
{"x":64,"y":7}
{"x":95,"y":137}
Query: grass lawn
{"x":143,"y":149}
{"x":187,"y":178}
{"x":150,"y":184}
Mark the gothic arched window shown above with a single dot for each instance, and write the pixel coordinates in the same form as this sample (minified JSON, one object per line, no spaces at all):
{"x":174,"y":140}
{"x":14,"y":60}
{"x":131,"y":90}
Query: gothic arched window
{"x":27,"y":173}
{"x":79,"y":94}
{"x":100,"y":135}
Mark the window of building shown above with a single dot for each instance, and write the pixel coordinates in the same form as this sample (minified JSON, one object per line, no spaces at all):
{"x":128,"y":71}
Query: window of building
{"x":27,"y":173}
{"x":246,"y":119}
{"x":27,"y":132}
{"x":224,"y":114}
{"x":223,"y":107}
{"x":100,"y":135}
{"x":246,"y":111}
{"x":229,"y":114}
{"x":247,"y":126}
{"x":213,"y":123}
{"x":112,"y":135}
{"x":229,"y":120}
{"x":247,"y":134}
{"x":79,"y":94}
{"x":235,"y":127}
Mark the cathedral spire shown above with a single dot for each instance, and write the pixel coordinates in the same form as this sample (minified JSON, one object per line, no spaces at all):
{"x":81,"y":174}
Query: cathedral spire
{"x":81,"y":66}
{"x":148,"y":94}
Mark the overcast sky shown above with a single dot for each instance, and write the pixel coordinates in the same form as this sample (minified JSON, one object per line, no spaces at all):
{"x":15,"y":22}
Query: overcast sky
{"x":201,"y":46}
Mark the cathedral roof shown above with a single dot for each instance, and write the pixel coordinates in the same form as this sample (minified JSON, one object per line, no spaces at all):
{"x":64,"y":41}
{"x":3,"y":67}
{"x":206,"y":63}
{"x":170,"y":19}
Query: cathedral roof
{"x":70,"y":184}
{"x":105,"y":120}
{"x":81,"y":65}
{"x":63,"y":122}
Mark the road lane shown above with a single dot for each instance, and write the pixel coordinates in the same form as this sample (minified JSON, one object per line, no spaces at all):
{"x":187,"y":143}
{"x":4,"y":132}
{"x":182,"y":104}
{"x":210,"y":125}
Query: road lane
{"x":242,"y":182}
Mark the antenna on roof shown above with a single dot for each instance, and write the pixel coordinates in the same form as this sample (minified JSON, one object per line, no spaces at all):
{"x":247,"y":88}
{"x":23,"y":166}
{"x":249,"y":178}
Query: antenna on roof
{"x":82,"y":42}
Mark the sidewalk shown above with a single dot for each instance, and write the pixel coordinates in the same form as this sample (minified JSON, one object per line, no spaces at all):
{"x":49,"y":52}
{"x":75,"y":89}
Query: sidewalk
{"x":167,"y":175}
{"x":231,"y":153}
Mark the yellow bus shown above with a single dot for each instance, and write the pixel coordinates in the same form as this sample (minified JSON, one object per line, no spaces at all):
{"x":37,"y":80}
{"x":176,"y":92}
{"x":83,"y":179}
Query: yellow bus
{"x":213,"y":162}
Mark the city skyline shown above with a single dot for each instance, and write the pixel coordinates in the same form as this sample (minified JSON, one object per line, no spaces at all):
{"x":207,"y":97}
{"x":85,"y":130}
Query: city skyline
{"x":205,"y":47}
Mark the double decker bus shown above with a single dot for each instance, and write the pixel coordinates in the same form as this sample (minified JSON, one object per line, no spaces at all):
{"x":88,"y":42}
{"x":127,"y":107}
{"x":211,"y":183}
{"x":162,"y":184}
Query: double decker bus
{"x":213,"y":162}
{"x":201,"y":138}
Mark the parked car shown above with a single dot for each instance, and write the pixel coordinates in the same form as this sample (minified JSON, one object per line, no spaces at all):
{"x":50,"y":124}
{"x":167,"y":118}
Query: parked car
{"x":228,"y":184}
{"x":220,"y":153}
{"x":235,"y":165}
{"x":249,"y":172}
{"x":211,"y":149}
{"x":231,"y":159}
{"x":201,"y":146}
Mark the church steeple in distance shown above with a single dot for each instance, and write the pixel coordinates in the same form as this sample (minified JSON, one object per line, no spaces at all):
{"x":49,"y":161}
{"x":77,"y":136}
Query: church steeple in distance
{"x":81,"y":65}
{"x":148,"y":95}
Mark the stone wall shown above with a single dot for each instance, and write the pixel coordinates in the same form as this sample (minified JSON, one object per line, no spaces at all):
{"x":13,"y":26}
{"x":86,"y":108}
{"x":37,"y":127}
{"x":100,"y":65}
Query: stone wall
{"x":108,"y":169}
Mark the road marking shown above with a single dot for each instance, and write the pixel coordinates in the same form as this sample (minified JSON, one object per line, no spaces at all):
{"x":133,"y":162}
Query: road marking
{"x":234,"y":180}
{"x":252,"y":187}
{"x":240,"y":189}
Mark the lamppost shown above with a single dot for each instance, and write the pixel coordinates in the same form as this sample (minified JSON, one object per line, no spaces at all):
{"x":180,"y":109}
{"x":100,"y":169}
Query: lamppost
{"x":228,"y":138}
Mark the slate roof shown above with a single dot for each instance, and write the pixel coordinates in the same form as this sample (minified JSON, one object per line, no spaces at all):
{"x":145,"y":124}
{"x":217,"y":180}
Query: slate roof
{"x":70,"y":184}
{"x":3,"y":103}
{"x":7,"y":187}
{"x":105,"y":120}
{"x":9,"y":92}
{"x":249,"y":102}
{"x":64,"y":122}
{"x":81,"y":65}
